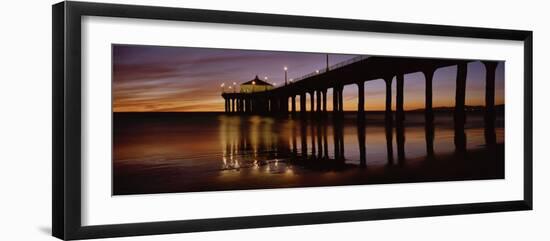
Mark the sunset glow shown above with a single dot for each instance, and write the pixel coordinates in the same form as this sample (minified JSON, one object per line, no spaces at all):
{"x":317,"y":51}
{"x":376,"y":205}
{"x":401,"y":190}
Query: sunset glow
{"x":180,"y":79}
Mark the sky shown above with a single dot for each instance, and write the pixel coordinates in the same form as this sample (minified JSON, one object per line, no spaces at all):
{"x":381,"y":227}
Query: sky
{"x":184,"y":79}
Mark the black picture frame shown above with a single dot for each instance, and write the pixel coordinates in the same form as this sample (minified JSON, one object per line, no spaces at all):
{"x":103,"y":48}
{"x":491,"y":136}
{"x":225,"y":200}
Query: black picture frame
{"x":66,"y":168}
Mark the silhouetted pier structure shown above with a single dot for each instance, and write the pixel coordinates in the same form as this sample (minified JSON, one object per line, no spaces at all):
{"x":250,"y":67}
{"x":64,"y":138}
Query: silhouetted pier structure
{"x":359,"y":70}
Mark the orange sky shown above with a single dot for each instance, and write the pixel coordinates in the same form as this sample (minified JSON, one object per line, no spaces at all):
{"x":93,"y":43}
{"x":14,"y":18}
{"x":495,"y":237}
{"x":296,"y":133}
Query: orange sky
{"x":178,"y":79}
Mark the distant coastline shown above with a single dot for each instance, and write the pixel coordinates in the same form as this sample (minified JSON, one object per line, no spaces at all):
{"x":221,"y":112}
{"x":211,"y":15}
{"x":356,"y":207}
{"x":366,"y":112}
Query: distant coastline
{"x":469,"y":108}
{"x":443,"y":109}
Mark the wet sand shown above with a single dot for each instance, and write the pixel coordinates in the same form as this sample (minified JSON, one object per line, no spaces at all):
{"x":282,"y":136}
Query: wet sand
{"x":475,"y":165}
{"x":163,"y":153}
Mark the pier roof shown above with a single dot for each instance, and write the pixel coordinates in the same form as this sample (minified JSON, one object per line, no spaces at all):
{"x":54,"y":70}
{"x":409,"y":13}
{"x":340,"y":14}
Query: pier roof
{"x":256,"y":81}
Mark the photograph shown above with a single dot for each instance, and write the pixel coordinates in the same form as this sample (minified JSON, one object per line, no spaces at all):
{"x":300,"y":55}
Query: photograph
{"x":191,"y":119}
{"x":275,"y":120}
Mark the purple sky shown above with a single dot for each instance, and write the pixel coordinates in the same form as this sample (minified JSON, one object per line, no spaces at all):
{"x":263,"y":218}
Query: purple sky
{"x":152,"y":78}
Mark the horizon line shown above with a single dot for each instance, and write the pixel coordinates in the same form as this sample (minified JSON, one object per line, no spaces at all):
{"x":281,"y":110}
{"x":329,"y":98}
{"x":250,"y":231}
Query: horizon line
{"x":441,"y":108}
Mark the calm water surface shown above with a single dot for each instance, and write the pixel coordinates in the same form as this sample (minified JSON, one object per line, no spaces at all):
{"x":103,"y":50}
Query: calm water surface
{"x":180,"y":152}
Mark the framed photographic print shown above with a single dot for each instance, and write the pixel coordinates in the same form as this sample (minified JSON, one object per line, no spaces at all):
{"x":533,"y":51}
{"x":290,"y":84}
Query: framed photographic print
{"x":170,"y":120}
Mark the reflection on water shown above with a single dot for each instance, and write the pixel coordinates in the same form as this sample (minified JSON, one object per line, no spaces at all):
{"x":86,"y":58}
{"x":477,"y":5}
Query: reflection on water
{"x":178,"y":152}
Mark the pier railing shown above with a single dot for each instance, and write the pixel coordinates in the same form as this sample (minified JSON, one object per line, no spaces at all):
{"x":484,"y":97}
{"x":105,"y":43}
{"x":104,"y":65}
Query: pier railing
{"x":332,"y":67}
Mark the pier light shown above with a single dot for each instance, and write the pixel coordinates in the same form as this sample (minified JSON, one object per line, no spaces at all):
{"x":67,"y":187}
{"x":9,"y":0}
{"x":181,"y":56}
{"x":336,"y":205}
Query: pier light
{"x":286,"y":81}
{"x":317,"y":71}
{"x":253,"y":82}
{"x":222,"y":84}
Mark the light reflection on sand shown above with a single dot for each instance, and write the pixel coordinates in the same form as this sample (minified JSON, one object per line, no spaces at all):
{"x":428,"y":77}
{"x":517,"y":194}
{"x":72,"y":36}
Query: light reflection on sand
{"x":200,"y":152}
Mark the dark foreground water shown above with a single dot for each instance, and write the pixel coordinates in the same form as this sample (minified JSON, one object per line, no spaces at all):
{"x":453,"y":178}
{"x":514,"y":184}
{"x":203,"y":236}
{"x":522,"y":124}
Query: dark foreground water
{"x":183,"y":152}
